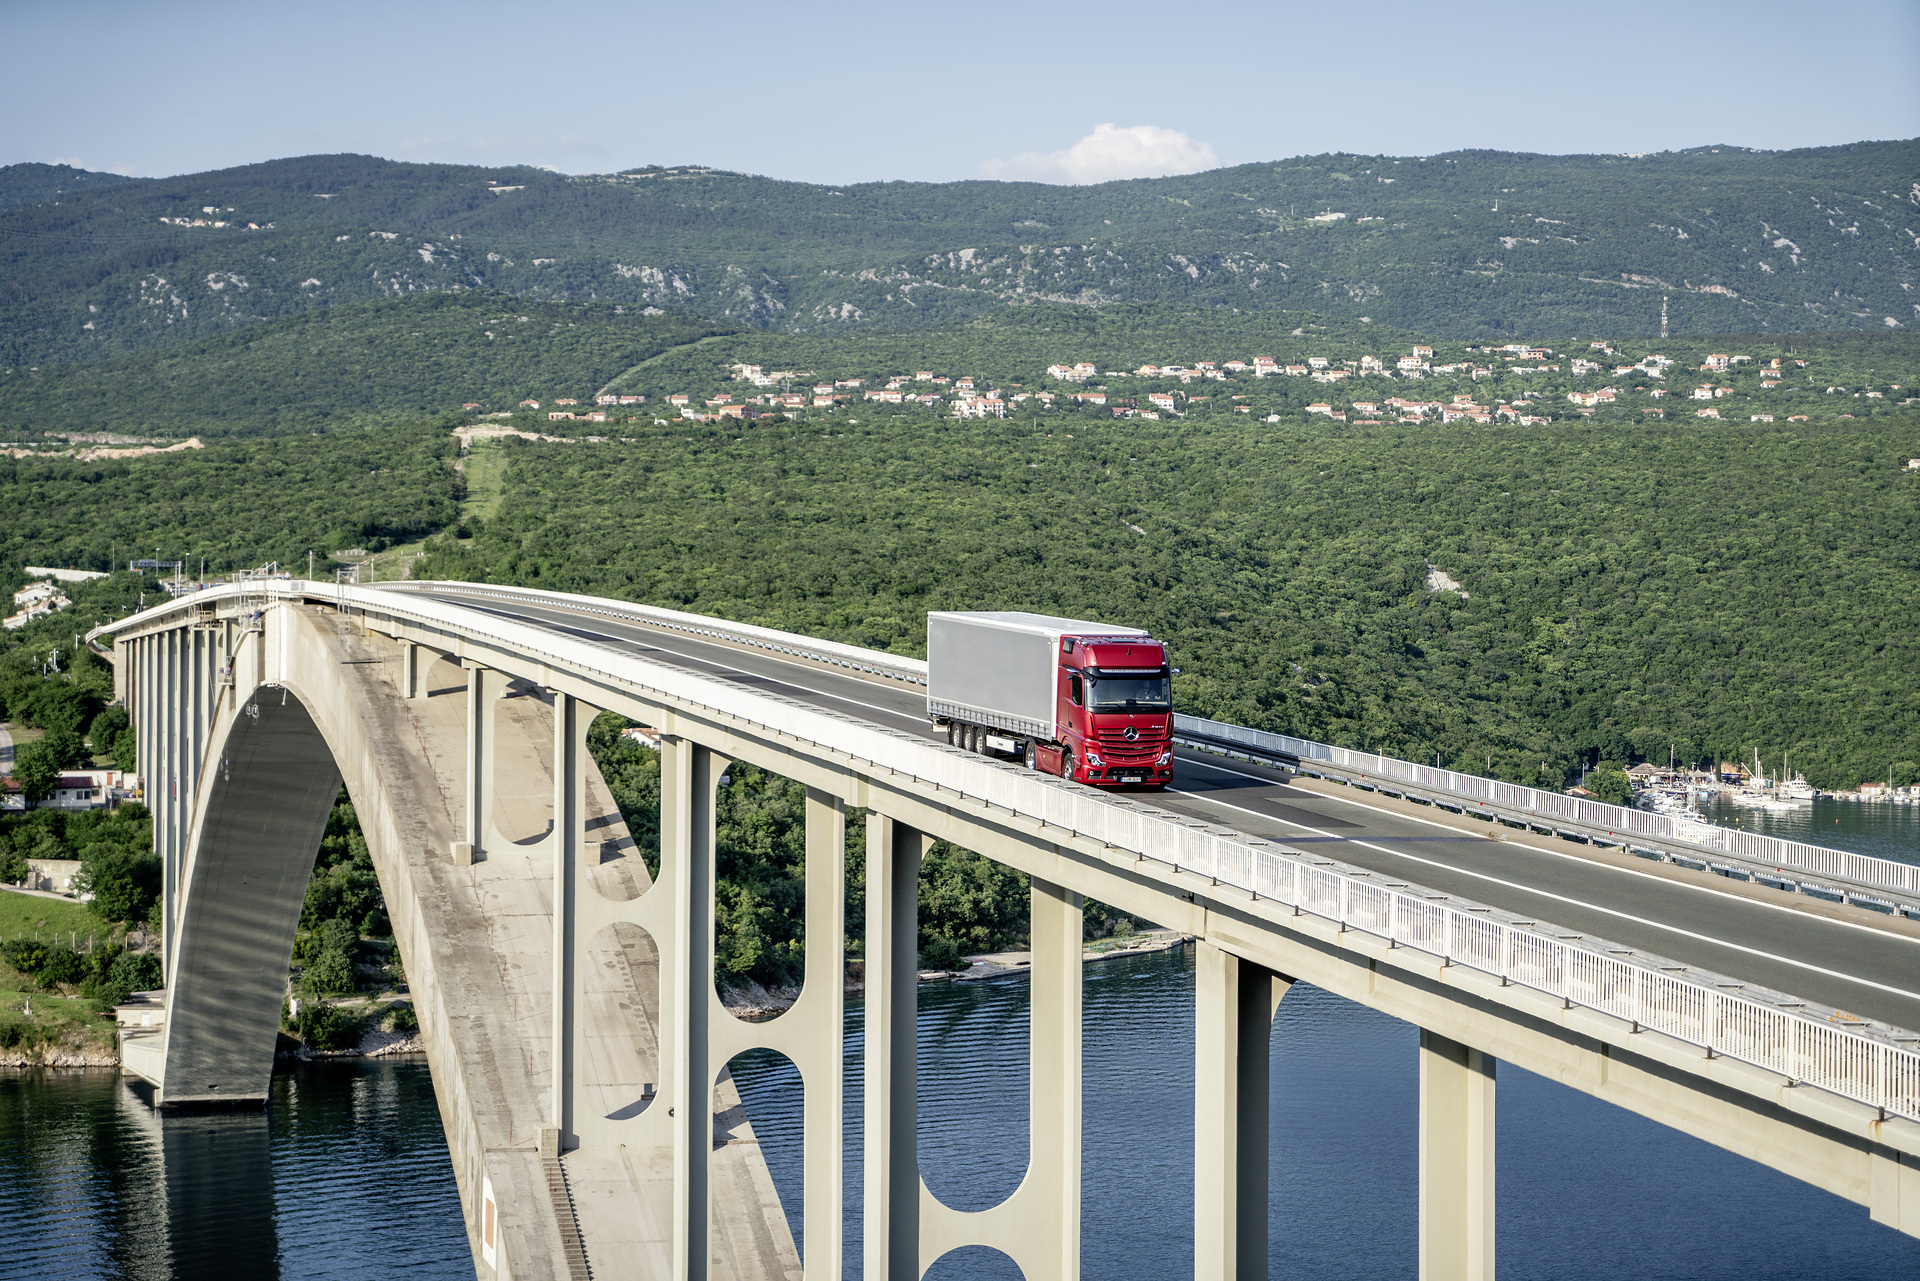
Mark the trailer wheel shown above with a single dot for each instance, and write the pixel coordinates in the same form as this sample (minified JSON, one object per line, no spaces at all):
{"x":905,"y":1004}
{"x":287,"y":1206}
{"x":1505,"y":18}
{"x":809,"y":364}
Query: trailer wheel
{"x":953,"y":734}
{"x":1033,"y":755}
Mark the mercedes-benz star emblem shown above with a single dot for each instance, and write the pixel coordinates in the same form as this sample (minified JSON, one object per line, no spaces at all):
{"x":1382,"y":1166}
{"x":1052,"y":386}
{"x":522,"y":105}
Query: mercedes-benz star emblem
{"x":1131,"y":734}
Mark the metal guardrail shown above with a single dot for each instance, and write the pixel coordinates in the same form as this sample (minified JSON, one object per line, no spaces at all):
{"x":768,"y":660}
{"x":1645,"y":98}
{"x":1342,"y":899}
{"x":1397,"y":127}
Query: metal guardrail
{"x":1863,"y":869}
{"x":1868,"y":1063}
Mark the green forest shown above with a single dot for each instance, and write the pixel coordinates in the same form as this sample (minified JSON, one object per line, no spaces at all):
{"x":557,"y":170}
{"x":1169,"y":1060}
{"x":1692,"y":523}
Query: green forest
{"x":1628,"y":588}
{"x":375,"y":363}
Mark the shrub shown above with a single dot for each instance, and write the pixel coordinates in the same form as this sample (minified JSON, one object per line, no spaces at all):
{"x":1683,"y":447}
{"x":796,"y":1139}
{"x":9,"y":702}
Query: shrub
{"x":129,"y":972}
{"x":402,"y":1019}
{"x":941,"y":953}
{"x":125,"y":882}
{"x":62,"y":965}
{"x":327,"y":1027}
{"x":330,"y":973}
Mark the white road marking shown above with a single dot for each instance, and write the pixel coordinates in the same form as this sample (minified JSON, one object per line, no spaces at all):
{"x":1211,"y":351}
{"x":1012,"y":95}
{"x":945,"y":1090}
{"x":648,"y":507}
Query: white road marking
{"x":1593,"y":907}
{"x":1796,"y":910}
{"x":651,"y":642}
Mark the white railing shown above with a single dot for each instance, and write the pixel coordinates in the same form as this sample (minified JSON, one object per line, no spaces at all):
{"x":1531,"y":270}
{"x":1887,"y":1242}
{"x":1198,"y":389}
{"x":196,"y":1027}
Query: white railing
{"x":1615,"y":819}
{"x":1799,"y":1041}
{"x":911,"y":671}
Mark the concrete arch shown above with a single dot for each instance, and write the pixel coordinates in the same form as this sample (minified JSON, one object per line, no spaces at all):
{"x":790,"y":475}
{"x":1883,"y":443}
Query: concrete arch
{"x":262,"y":811}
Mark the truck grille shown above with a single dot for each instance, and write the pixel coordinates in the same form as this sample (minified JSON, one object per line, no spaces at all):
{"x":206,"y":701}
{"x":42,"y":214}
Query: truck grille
{"x":1150,"y":742}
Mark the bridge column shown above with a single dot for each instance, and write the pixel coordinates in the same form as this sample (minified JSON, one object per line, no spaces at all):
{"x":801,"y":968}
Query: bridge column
{"x":819,"y":1035}
{"x":409,"y":670}
{"x":688,"y":774}
{"x":1456,"y":1161}
{"x":1233,"y":1022}
{"x":483,"y":690}
{"x":890,"y":1232}
{"x":167,"y":829}
{"x":571,"y":720}
{"x":1054,"y":1089}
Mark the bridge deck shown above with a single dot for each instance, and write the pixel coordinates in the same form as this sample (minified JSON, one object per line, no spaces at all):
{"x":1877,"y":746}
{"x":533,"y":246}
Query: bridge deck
{"x":1852,"y":958}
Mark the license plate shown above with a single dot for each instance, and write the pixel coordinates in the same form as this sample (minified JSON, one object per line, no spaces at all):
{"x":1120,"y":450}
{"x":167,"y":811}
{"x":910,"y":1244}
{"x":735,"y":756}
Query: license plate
{"x":1133,"y":778}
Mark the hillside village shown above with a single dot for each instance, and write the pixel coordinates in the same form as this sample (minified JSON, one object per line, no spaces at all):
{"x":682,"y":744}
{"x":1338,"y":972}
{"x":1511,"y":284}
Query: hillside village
{"x":1514,"y":383}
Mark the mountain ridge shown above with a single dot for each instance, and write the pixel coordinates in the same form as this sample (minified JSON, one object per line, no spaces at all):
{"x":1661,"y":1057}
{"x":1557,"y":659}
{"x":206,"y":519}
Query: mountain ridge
{"x":1467,"y":244}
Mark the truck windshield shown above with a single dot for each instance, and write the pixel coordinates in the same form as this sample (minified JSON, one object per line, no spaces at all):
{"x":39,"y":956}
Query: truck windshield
{"x":1131,"y":694}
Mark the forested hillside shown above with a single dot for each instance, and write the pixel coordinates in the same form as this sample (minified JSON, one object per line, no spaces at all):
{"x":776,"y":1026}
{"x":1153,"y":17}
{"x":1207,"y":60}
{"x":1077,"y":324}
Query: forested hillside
{"x":1467,"y":245}
{"x":381,"y":361}
{"x":1628,"y":588}
{"x":236,"y":503}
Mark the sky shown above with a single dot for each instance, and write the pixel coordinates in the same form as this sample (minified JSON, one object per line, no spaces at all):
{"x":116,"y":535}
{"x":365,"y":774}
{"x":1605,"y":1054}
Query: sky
{"x":858,"y":90}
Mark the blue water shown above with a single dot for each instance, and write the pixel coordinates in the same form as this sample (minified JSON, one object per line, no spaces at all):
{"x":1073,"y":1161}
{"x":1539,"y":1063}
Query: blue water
{"x":345,"y":1175}
{"x":1879,"y":828}
{"x":1586,"y":1190}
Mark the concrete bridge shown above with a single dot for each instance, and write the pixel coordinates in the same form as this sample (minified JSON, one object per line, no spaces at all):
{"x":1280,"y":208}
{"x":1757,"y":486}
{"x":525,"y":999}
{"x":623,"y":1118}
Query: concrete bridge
{"x":567,"y":1001}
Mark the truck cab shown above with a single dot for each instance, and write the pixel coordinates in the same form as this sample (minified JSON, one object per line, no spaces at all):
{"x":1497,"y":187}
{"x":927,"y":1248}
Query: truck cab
{"x":1115,"y":713}
{"x":1085,"y":700}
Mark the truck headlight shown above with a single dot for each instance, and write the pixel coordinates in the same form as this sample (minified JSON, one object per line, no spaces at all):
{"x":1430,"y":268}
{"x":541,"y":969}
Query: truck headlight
{"x":1093,"y":759}
{"x":1166,"y":757}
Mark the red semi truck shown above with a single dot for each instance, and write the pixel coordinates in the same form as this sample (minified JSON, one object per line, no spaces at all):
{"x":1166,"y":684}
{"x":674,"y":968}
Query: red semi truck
{"x":1083,"y":700}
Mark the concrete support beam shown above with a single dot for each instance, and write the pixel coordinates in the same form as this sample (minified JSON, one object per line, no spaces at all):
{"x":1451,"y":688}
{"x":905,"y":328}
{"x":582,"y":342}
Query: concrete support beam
{"x":818,"y":1027}
{"x":483,"y":690}
{"x":1456,"y":1161}
{"x":1233,"y":1023}
{"x":688,"y":775}
{"x":1053,"y":1092}
{"x":571,"y":719}
{"x":410,"y":683}
{"x":890,"y":1216}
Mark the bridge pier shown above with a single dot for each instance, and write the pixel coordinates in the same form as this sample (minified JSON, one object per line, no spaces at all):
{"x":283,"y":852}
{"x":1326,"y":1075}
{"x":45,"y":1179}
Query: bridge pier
{"x":890,"y":1217}
{"x":1235,"y":1001}
{"x":1456,"y":1161}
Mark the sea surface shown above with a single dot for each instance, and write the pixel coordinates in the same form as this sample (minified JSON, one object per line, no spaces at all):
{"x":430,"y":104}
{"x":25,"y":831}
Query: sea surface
{"x":1587,"y":1191}
{"x":345,"y":1175}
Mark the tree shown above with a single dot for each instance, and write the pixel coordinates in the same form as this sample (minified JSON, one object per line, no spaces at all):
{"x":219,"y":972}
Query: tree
{"x":36,"y":766}
{"x":124,"y":882}
{"x":104,"y":734}
{"x":1610,"y":784}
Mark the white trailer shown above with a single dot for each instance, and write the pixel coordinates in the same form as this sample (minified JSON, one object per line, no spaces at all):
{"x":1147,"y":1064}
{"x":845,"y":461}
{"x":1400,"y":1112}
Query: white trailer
{"x":1000,"y":670}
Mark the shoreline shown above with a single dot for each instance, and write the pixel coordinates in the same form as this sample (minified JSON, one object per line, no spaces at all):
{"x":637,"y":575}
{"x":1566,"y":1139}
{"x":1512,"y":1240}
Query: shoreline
{"x":750,"y":1001}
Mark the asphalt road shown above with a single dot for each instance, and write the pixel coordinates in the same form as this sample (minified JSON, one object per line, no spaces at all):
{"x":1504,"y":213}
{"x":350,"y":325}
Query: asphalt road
{"x":1845,"y":957}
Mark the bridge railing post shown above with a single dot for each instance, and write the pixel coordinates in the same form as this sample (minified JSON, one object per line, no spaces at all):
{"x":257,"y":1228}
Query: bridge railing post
{"x":1456,"y":1161}
{"x":891,"y":1164}
{"x":1233,"y":1021}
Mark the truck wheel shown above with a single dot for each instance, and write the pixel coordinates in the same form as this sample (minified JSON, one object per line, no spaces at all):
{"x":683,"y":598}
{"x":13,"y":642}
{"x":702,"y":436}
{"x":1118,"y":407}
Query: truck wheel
{"x":1033,"y":755}
{"x":1066,"y":763}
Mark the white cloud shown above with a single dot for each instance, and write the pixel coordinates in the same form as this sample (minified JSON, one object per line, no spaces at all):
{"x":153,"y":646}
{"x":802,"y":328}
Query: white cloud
{"x":1110,"y":152}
